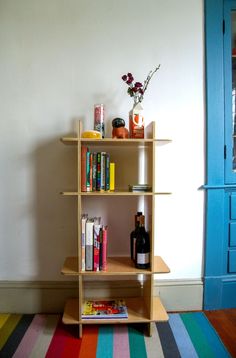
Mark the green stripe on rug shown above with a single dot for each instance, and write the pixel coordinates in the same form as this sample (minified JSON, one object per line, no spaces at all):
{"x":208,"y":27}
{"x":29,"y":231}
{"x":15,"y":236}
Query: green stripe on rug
{"x":8,"y":328}
{"x":198,"y":338}
{"x":136,"y":343}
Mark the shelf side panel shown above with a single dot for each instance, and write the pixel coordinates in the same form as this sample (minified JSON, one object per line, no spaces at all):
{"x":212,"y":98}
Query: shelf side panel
{"x":159,"y":313}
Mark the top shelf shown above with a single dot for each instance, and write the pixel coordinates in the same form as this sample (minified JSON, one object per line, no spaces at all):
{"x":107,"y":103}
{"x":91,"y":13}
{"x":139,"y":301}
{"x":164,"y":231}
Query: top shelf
{"x":113,"y":141}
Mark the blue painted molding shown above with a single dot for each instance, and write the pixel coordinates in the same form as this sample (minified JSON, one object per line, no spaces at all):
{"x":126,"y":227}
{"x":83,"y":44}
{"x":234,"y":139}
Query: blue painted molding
{"x":222,"y":186}
{"x":214,"y":92}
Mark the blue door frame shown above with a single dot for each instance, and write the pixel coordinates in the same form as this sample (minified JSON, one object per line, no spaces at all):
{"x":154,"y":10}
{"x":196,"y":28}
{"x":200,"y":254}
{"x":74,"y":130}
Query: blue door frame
{"x":219,"y":281}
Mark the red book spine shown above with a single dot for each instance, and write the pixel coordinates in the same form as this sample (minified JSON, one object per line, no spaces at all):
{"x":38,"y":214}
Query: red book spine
{"x":83,"y":168}
{"x":104,"y":248}
{"x":96,"y":251}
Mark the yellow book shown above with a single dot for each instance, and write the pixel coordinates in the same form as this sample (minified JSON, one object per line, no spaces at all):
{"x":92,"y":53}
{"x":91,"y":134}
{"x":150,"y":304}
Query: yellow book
{"x":112,"y":176}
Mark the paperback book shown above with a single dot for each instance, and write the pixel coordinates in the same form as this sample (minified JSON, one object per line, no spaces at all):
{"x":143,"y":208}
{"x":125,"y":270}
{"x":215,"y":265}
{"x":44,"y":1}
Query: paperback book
{"x":104,"y":309}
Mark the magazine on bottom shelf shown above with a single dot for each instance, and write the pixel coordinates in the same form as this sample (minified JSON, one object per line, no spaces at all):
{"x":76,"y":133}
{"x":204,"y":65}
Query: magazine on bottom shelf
{"x":104,"y":309}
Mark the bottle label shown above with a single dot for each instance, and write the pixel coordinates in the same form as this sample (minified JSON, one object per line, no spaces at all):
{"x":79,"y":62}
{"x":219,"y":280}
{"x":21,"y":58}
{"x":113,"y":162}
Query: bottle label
{"x":143,"y":258}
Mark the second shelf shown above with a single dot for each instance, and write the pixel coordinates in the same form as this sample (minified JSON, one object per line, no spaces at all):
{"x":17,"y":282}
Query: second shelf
{"x":115,"y":266}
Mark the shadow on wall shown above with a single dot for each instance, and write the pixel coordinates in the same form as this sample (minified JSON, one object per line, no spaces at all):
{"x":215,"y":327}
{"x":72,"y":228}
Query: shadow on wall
{"x":56,"y":228}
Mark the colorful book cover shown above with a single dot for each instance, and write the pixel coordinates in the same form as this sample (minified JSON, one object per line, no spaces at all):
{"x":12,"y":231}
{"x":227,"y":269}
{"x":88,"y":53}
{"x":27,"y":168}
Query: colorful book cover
{"x":84,"y":151}
{"x":100,"y":251}
{"x":96,"y":243}
{"x":103,"y":170}
{"x":83,"y":225}
{"x":104,"y":309}
{"x":107,"y":176}
{"x":112,"y":176}
{"x":91,"y":172}
{"x":89,"y":245}
{"x":88,"y":171}
{"x":104,"y":248}
{"x":94,"y":172}
{"x":98,"y":179}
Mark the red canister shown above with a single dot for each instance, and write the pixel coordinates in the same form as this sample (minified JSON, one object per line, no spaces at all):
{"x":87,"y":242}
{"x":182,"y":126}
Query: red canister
{"x":99,"y":119}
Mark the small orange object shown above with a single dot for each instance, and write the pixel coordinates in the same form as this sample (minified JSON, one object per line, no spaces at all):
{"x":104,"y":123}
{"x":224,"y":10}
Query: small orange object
{"x":120,"y":132}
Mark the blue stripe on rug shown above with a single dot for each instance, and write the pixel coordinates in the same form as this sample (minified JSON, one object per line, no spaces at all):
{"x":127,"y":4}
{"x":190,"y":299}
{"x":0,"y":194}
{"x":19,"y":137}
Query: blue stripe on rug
{"x":105,"y":342}
{"x":184,"y":343}
{"x":136,"y":343}
{"x":169,"y":346}
{"x":211,"y":335}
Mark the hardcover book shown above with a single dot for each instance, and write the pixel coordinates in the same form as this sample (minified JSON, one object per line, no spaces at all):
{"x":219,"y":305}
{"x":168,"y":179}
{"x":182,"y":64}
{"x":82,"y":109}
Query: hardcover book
{"x":104,"y":309}
{"x":103,"y":170}
{"x":112,"y":176}
{"x":98,"y":179}
{"x":88,"y":171}
{"x":107,"y":176}
{"x":84,"y":151}
{"x":104,"y":248}
{"x":89,"y":245}
{"x":96,"y":243}
{"x":94,"y":171}
{"x":83,"y":238}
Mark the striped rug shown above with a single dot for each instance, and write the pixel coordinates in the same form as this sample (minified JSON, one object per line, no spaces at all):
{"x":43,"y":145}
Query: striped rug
{"x":185,"y":335}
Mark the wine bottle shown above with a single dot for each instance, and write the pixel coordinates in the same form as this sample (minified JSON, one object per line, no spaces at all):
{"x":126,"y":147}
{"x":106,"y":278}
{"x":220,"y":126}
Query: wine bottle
{"x":142,"y":257}
{"x":133,"y":235}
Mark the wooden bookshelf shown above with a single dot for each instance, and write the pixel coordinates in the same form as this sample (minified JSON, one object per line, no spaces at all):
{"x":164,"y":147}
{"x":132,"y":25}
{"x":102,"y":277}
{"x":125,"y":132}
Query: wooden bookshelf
{"x":144,"y":308}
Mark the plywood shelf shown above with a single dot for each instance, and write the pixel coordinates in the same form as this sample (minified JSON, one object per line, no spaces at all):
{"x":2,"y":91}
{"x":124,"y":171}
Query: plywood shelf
{"x":111,"y":141}
{"x":116,"y":266}
{"x":113,"y":193}
{"x":137,"y":312}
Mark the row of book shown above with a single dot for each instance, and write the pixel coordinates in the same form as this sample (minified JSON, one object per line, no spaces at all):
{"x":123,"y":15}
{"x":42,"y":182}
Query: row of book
{"x":105,"y":309}
{"x":93,"y":244}
{"x":97,"y":172}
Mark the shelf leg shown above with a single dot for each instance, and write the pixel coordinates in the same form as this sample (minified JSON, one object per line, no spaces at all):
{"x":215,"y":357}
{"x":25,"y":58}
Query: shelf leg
{"x":149,"y":329}
{"x":80,"y":330}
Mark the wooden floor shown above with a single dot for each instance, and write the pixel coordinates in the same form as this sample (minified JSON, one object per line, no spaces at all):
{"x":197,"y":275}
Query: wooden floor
{"x":224,"y":322}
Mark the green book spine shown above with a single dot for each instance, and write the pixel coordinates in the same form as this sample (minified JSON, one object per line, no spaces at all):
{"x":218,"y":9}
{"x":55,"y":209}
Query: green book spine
{"x":98,"y":179}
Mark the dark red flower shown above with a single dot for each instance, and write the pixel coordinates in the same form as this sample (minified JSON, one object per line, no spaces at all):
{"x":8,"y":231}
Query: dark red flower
{"x":138,"y":84}
{"x":129,"y":75}
{"x":129,"y":81}
{"x":124,"y":77}
{"x":141,"y":91}
{"x":135,"y":89}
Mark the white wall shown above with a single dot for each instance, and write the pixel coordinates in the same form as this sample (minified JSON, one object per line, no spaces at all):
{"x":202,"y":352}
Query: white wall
{"x":58,"y":58}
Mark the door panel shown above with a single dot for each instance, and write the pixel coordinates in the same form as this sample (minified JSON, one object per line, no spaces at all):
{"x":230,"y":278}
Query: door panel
{"x":230,"y":90}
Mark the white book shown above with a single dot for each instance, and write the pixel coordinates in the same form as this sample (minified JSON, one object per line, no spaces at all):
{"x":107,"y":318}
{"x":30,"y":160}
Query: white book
{"x":89,"y":245}
{"x":83,"y":233}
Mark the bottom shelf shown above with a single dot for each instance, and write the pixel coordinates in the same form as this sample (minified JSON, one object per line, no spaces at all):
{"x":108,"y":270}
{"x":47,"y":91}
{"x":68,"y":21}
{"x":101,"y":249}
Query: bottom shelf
{"x":136,"y":312}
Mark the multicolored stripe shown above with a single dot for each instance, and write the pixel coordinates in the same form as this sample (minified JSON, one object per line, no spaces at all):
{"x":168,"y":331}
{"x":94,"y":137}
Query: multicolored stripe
{"x":187,"y":335}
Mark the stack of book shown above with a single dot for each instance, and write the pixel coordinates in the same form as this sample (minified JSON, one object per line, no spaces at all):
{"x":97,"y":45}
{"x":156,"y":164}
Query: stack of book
{"x":104,"y":309}
{"x":97,"y":173}
{"x":93,"y":244}
{"x":140,"y":187}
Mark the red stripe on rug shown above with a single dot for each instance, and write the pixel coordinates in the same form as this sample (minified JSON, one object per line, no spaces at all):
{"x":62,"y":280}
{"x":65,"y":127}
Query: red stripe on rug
{"x":72,"y":343}
{"x":57,"y":345}
{"x":88,"y":346}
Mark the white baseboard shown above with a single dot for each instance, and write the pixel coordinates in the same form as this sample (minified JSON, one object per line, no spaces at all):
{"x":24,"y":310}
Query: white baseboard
{"x":180,"y":295}
{"x":50,"y":297}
